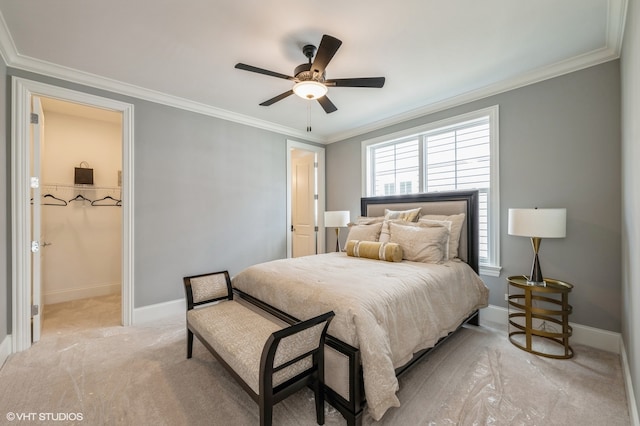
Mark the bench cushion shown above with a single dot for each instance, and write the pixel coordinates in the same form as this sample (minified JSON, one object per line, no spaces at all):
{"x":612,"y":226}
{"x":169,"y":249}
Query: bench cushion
{"x":238,"y":336}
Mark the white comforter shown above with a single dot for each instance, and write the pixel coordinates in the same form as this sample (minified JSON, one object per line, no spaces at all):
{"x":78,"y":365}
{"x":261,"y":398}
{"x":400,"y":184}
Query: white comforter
{"x":387,"y":310}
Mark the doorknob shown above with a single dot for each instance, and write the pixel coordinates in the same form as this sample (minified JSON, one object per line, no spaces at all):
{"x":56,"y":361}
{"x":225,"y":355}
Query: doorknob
{"x":44,"y":244}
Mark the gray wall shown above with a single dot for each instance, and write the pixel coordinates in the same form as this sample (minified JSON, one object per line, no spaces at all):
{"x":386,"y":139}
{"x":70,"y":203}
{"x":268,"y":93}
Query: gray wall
{"x":559,"y":147}
{"x":5,"y":226}
{"x":630,"y":68}
{"x":209,"y":195}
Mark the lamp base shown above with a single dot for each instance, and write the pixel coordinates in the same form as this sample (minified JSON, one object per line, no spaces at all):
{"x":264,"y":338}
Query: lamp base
{"x":536,"y":272}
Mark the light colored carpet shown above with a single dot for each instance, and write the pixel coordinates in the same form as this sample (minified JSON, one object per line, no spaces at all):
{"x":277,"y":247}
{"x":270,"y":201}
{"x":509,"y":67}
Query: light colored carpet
{"x":111,"y":375}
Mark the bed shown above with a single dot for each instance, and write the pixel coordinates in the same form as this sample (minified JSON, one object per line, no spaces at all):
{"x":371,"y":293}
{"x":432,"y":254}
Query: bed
{"x":388,"y":314}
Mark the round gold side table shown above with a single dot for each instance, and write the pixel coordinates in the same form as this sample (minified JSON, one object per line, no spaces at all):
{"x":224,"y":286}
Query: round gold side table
{"x":535,"y":306}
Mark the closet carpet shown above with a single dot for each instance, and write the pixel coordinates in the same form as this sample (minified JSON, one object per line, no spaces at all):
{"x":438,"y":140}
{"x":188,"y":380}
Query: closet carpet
{"x":90,"y":371}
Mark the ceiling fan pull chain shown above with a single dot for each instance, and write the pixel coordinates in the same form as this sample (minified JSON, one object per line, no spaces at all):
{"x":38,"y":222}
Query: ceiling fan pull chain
{"x":308,"y":116}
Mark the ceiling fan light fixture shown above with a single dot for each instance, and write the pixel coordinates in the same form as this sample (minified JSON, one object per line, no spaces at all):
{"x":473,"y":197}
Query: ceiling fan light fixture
{"x":310,"y":89}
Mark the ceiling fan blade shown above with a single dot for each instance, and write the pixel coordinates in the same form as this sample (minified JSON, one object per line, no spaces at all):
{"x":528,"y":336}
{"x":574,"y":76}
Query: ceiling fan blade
{"x":327,"y":105}
{"x":277,"y":98}
{"x":251,"y":68}
{"x":328,"y":47}
{"x":356,"y":82}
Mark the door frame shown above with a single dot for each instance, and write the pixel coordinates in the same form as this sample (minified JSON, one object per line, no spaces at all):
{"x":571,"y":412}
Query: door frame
{"x":320,"y":151}
{"x":22,"y":91}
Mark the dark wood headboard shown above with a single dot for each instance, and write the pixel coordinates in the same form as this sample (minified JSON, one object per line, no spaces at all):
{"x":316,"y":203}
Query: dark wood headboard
{"x":446,"y":203}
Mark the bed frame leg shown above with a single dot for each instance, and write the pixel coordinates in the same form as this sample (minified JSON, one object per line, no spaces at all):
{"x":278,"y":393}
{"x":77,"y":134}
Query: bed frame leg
{"x":354,"y":419}
{"x":475,"y":319}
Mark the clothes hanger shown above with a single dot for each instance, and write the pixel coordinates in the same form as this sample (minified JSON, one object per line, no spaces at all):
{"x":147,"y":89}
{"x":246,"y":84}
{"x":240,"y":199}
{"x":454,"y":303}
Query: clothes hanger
{"x":59,"y":201}
{"x":108,"y":197}
{"x":80,"y":197}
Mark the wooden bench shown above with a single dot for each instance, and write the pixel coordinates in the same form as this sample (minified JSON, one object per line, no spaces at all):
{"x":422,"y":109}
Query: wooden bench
{"x":270,"y":361}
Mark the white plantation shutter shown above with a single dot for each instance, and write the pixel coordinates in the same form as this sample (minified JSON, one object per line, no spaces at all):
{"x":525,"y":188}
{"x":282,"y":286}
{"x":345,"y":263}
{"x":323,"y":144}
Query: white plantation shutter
{"x":458,"y":158}
{"x":453,"y":156}
{"x":396,"y":168}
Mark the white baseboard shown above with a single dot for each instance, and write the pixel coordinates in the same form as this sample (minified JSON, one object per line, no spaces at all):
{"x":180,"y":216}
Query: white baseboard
{"x":5,"y":349}
{"x":159,"y":311}
{"x":582,"y":334}
{"x":67,"y":295}
{"x":631,"y":398}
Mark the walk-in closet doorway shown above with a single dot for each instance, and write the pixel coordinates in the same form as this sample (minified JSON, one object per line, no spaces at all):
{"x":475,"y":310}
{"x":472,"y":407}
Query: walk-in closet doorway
{"x":27,"y":186}
{"x":81,"y":213}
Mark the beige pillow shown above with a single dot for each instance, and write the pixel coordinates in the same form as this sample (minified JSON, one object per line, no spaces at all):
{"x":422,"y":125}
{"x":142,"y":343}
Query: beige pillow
{"x":392,"y":215}
{"x":406,"y":215}
{"x":446,"y":224}
{"x":369,"y":232}
{"x":366,"y":220}
{"x":457,"y":220}
{"x":420,"y":242}
{"x":374,"y":250}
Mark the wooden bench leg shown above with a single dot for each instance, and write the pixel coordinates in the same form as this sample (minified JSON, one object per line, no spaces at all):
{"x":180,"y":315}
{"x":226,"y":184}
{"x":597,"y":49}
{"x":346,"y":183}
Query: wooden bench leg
{"x":266,"y":410}
{"x":189,"y":343}
{"x":318,"y":390}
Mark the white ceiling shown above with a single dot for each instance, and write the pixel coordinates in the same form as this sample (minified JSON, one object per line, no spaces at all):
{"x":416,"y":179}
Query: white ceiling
{"x":434,"y":54}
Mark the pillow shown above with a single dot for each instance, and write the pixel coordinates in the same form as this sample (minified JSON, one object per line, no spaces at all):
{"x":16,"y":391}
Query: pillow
{"x":374,"y":250}
{"x":446,"y":224}
{"x":366,"y":220}
{"x":400,"y":215}
{"x":420,"y":242}
{"x":406,"y":215}
{"x":457,"y":220}
{"x":369,"y":232}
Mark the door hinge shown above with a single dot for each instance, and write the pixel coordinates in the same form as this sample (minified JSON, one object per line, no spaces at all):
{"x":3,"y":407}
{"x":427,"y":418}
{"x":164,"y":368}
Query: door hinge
{"x":315,"y":228}
{"x":34,"y":118}
{"x":35,"y":310}
{"x":315,"y":164}
{"x":315,"y":196}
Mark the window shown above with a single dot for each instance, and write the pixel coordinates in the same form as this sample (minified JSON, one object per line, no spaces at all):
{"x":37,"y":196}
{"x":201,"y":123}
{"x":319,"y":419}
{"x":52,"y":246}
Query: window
{"x":454,"y":154}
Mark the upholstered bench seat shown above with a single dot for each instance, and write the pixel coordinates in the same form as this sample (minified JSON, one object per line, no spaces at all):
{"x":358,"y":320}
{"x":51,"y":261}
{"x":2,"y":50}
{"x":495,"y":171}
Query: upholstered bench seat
{"x":269,"y":360}
{"x":239,"y":335}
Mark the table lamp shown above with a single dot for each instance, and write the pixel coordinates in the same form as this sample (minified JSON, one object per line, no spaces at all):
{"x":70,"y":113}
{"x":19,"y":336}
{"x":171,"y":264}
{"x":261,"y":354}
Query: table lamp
{"x":537,"y":224}
{"x":336,"y":219}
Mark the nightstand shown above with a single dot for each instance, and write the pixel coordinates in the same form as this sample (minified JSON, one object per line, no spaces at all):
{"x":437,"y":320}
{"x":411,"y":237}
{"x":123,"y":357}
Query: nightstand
{"x":539,"y":317}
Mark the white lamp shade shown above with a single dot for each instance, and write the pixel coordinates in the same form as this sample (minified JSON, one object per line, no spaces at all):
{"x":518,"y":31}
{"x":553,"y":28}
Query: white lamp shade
{"x":310,"y":89}
{"x":337,"y":219}
{"x":541,"y":223}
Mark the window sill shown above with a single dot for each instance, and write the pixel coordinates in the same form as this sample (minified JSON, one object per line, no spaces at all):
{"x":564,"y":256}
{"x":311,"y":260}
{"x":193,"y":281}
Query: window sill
{"x":490,"y":270}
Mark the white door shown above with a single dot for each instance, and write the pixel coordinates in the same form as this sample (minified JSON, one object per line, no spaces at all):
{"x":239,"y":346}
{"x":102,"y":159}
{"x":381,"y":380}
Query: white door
{"x":37,"y":119}
{"x":303,"y":214}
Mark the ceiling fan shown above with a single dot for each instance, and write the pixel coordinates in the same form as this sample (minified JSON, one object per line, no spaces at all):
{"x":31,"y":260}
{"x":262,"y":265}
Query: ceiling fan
{"x":309,"y":78}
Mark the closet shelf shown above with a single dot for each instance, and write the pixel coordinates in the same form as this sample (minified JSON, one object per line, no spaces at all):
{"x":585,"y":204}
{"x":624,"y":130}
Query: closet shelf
{"x":80,"y":187}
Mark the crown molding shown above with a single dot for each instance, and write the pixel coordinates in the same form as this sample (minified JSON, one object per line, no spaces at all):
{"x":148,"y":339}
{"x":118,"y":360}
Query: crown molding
{"x":99,"y":82}
{"x":7,"y":46}
{"x":577,"y":63}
